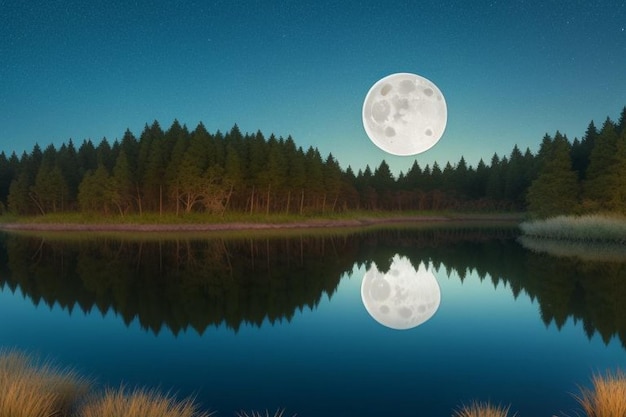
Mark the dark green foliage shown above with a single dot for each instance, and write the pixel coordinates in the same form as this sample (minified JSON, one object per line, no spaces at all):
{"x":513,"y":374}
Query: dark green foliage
{"x":7,"y":172}
{"x":602,"y":173}
{"x":179,"y":171}
{"x":581,"y":151}
{"x":555,"y":190}
{"x":96,"y":192}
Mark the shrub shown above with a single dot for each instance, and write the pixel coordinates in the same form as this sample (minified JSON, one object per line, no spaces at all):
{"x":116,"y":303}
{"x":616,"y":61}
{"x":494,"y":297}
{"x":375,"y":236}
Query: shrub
{"x":482,"y":409}
{"x":591,"y":228}
{"x":607,"y":398}
{"x":30,"y":389}
{"x":139,"y":403}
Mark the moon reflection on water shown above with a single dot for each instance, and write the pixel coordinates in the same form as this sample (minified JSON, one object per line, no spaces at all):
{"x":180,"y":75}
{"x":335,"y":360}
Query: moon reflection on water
{"x":403,"y":297}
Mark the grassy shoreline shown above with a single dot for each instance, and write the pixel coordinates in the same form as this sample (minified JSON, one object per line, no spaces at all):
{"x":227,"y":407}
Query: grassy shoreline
{"x":169,"y":223}
{"x":586,"y":228}
{"x":31,"y":388}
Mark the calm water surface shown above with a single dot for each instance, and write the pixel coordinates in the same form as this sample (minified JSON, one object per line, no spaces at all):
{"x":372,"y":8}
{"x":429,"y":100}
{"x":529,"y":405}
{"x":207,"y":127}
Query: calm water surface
{"x":404,"y":321}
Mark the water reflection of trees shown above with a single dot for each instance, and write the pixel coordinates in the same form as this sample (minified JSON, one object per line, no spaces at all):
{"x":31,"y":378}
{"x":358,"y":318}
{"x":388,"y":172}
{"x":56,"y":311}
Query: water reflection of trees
{"x":198,"y":283}
{"x":587,"y":291}
{"x":178,"y":283}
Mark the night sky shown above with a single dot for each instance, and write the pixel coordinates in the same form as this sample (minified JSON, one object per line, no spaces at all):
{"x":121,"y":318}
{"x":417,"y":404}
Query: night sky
{"x":511,"y":71}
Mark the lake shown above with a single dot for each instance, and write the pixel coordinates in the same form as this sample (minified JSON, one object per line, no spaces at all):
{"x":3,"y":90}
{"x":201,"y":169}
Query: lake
{"x":403,"y":320}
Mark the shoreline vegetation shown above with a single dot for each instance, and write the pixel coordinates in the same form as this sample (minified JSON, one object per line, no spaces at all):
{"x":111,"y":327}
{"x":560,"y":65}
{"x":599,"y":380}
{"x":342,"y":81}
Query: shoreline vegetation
{"x":156,"y":223}
{"x":32,"y":388}
{"x":591,"y":229}
{"x":536,"y":234}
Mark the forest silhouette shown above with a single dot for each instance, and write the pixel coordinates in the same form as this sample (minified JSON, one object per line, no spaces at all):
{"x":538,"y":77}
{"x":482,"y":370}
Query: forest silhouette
{"x":181,"y":171}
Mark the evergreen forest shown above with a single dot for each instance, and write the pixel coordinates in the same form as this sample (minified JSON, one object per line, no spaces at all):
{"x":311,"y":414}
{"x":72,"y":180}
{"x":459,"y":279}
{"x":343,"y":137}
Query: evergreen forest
{"x":179,"y":171}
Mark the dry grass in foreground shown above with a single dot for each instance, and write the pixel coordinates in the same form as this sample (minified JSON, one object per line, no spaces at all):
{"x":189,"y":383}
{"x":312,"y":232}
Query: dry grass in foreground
{"x":139,"y":403}
{"x":482,"y":409}
{"x":30,"y":389}
{"x":607,"y":398}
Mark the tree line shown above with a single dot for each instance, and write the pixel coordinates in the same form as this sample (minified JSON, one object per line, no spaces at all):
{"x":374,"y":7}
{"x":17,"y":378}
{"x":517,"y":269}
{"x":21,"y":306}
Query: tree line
{"x":181,"y":171}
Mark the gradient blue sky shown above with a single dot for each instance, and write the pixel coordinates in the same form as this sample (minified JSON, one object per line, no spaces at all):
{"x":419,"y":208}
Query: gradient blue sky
{"x":511,"y":71}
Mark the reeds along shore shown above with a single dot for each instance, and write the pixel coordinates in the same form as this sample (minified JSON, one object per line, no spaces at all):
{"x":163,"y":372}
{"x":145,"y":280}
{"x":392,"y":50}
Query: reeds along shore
{"x":30,"y":388}
{"x":589,"y":228}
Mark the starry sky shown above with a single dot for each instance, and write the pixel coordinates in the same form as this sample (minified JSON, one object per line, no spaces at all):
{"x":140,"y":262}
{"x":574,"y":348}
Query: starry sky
{"x":511,"y":71}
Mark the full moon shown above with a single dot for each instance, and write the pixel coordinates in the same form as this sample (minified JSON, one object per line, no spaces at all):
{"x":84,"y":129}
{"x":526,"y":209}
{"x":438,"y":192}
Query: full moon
{"x":402,"y":298}
{"x":404,"y":114}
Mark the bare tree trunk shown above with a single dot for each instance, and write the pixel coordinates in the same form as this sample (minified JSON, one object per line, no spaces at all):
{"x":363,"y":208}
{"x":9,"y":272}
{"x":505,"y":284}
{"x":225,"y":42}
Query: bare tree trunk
{"x":302,"y":202}
{"x":177,"y":202}
{"x":288,"y":200}
{"x":139,"y":201}
{"x":230,"y":192}
{"x":267,"y":211}
{"x":37,"y":203}
{"x":252,"y":201}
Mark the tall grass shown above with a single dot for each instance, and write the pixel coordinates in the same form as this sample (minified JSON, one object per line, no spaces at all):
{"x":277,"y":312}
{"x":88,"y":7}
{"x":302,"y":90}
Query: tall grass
{"x":482,"y":409}
{"x":31,"y":389}
{"x":590,"y":228}
{"x":607,"y":398}
{"x":139,"y":403}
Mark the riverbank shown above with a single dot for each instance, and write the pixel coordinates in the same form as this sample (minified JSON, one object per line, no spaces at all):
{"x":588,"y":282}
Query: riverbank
{"x":272,"y":224}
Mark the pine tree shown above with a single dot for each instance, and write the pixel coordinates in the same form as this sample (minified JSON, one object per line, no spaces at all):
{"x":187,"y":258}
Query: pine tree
{"x":447,"y":179}
{"x":6,"y":175}
{"x":122,"y":184}
{"x":296,"y":175}
{"x":233,"y":172}
{"x":515,"y":179}
{"x":87,"y":157}
{"x":616,"y":201}
{"x":67,"y":160}
{"x":461,"y":179}
{"x":273,"y":177}
{"x":332,"y":181}
{"x":494,"y":188}
{"x":621,"y":122}
{"x":581,"y":151}
{"x":314,"y":185}
{"x":19,"y":201}
{"x":49,"y":191}
{"x":180,"y":140}
{"x":597,"y":187}
{"x":105,"y":155}
{"x":95,"y":191}
{"x":555,"y":191}
{"x":152,"y":165}
{"x":477,"y":186}
{"x":368,"y":197}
